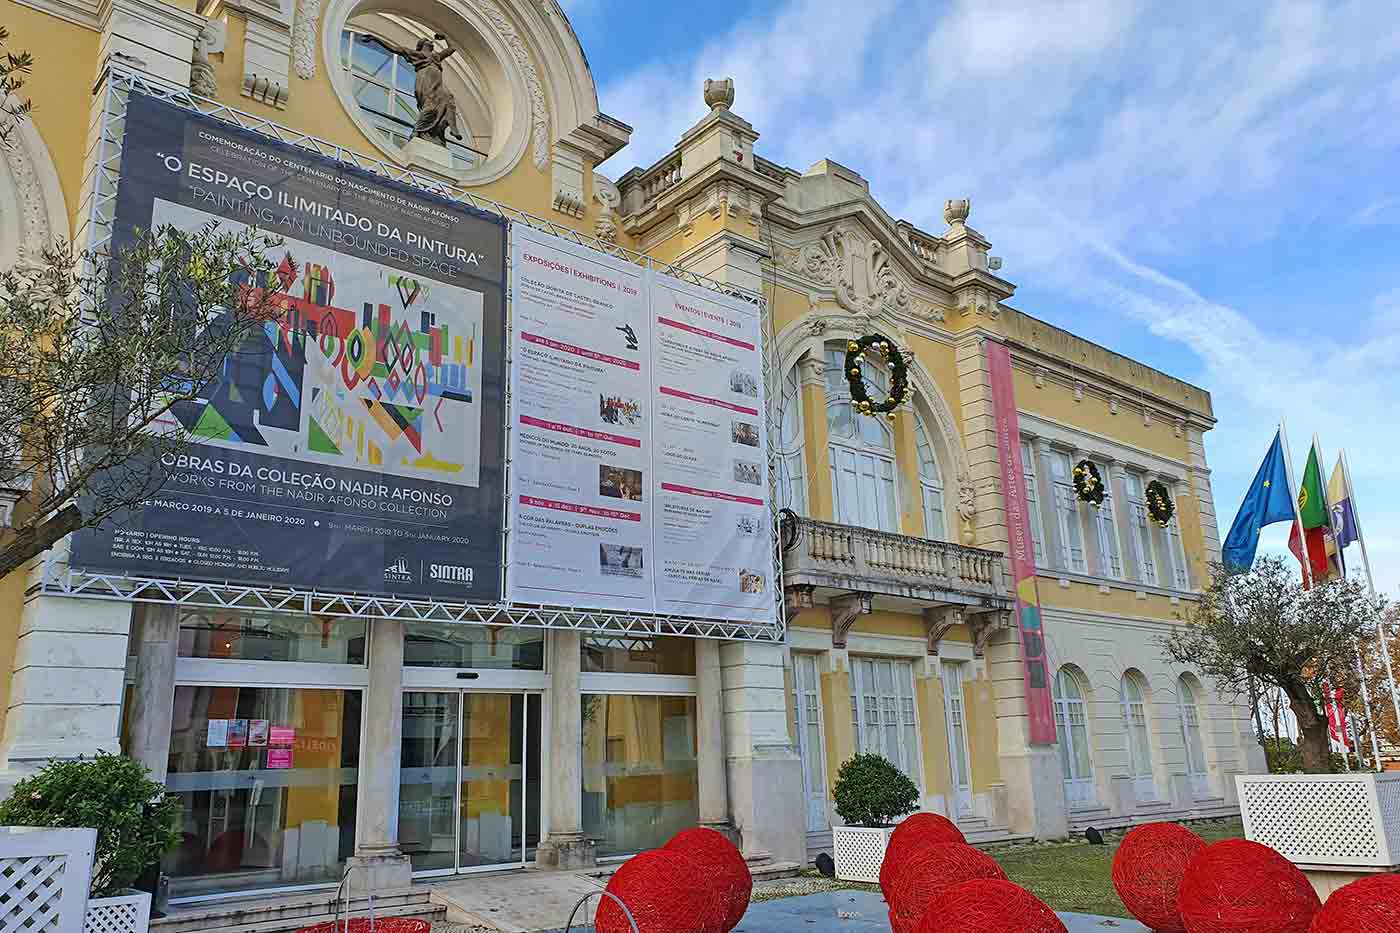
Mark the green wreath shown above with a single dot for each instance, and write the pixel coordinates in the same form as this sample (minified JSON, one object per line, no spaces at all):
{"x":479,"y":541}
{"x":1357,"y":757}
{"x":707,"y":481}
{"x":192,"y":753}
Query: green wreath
{"x":899,"y":375}
{"x":1159,"y":503}
{"x":1088,"y":483}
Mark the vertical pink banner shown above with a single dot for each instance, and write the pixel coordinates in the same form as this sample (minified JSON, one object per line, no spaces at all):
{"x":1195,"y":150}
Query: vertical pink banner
{"x":1040,"y":705}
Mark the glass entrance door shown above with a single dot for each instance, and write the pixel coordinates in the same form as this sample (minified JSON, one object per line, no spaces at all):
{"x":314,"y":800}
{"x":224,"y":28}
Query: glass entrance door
{"x":469,"y":779}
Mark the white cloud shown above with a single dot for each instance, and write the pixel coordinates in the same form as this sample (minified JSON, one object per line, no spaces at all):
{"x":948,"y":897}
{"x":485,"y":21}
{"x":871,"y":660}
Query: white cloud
{"x":1108,"y":145}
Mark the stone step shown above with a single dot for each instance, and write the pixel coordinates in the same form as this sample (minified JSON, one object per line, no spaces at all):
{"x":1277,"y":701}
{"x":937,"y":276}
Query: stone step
{"x":772,"y":871}
{"x":290,"y":911}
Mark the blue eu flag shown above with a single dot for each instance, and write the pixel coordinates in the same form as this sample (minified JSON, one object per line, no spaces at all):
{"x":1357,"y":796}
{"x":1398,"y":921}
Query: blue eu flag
{"x":1269,"y":500}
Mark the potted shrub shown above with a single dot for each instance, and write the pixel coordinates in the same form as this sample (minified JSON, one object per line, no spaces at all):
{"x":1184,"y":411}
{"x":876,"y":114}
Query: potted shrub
{"x":870,"y":794}
{"x":135,"y":819}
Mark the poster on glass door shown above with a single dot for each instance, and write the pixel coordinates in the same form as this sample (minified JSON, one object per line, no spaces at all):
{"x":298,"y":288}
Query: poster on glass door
{"x":639,"y":470}
{"x":581,"y":509}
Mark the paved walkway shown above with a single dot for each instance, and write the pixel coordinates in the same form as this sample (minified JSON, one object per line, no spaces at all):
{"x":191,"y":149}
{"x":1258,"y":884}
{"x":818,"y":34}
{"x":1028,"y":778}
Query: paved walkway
{"x":865,"y":912}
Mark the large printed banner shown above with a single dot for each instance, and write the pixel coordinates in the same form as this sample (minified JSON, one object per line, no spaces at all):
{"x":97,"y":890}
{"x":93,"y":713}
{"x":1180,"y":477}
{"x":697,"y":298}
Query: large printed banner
{"x":1040,"y":707}
{"x":639,"y":469}
{"x":355,"y":445}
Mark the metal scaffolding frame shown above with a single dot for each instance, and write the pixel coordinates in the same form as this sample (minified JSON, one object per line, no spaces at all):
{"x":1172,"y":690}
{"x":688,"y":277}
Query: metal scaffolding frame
{"x":59,"y":579}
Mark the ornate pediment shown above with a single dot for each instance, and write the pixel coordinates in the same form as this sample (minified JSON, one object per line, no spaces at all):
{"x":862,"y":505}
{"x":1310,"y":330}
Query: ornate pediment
{"x":863,"y":274}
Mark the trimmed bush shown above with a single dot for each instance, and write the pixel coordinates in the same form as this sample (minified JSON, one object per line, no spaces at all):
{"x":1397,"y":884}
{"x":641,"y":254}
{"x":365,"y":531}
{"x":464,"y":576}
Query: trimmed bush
{"x":871,"y":791}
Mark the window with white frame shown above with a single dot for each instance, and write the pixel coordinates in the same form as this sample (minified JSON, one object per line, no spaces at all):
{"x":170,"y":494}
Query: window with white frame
{"x":862,"y":450}
{"x":1106,"y":528}
{"x":1028,"y":469}
{"x":1141,"y":539}
{"x":1072,"y":721}
{"x":383,"y":85}
{"x":1190,"y":717}
{"x":882,"y":711}
{"x":1067,"y":514}
{"x":1134,"y":712}
{"x":955,"y":715}
{"x":931,"y":484}
{"x":1176,"y":553}
{"x":792,"y":470}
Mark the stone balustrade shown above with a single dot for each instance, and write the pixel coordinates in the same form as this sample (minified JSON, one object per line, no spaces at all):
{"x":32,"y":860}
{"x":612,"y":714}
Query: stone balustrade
{"x":844,"y":557}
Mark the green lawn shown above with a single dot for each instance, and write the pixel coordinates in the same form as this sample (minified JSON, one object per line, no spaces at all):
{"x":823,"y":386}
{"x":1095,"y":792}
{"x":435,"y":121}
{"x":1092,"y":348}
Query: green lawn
{"x":1075,"y":876}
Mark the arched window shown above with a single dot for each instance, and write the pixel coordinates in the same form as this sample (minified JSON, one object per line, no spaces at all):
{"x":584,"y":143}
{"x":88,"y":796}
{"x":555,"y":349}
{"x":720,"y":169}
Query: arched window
{"x":792,"y":471}
{"x":931,"y":484}
{"x":1134,"y":709}
{"x":862,"y":450}
{"x":382,"y":83}
{"x":1072,"y":721}
{"x":1191,"y":737}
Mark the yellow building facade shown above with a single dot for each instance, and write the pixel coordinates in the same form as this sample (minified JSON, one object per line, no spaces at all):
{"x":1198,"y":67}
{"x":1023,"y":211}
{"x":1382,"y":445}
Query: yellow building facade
{"x":900,"y":633}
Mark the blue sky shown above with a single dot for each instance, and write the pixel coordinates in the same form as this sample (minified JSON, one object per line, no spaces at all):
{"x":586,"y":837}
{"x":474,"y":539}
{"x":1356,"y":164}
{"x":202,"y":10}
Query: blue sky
{"x":1211,"y":188}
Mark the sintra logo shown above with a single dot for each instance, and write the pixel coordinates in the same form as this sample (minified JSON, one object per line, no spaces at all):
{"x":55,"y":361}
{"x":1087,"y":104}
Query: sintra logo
{"x":450,"y":573}
{"x":398,"y":572}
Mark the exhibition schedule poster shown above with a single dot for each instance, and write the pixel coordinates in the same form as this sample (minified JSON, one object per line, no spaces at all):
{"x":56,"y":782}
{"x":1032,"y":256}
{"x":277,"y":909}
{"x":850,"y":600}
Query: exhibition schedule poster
{"x":639,"y":472}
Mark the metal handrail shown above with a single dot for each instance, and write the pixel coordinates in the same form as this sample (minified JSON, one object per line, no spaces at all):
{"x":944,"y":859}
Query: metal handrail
{"x":568,"y":927}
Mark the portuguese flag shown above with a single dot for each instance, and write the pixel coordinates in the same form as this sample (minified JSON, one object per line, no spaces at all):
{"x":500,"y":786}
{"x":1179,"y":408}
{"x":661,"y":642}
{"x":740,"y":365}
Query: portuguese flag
{"x":1312,"y":509}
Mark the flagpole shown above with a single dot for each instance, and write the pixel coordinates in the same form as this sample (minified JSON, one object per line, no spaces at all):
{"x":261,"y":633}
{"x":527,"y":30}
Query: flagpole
{"x":1371,"y":583}
{"x":1293,"y":492}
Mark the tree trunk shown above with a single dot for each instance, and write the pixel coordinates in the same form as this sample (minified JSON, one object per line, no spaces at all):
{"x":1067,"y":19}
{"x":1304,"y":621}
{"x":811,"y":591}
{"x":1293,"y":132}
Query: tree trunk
{"x":1312,"y":731}
{"x":36,"y":539}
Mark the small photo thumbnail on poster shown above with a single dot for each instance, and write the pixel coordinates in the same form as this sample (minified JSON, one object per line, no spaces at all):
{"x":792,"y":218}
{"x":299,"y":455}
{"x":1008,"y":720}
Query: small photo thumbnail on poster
{"x":744,"y":432}
{"x":751,"y":581}
{"x":748,"y":525}
{"x":743,"y":382}
{"x":620,"y":560}
{"x":619,"y":410}
{"x":619,"y":483}
{"x":750,"y":473}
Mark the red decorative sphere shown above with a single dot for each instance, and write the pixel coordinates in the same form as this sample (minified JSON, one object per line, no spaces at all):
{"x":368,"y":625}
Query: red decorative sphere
{"x":1147,"y":872}
{"x":927,"y":871}
{"x":666,"y":891}
{"x":988,"y":905}
{"x":1237,"y":886}
{"x":1363,"y":906}
{"x":723,"y":861}
{"x":916,"y":830}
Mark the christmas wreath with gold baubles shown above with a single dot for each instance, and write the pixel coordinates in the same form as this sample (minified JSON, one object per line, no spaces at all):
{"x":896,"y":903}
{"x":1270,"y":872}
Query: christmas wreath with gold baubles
{"x":882,"y":349}
{"x":1088,"y":483}
{"x":1159,"y":503}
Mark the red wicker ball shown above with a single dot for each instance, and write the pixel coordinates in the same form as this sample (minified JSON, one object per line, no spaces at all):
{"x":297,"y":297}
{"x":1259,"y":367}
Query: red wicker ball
{"x":1237,"y":886}
{"x":721,"y":859}
{"x":916,"y":830}
{"x":926,"y":872}
{"x":1363,"y":906}
{"x":989,"y":905}
{"x":666,"y":891}
{"x":1147,"y":872}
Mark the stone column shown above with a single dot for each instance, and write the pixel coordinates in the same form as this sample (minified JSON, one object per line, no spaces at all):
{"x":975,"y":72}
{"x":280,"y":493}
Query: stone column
{"x":565,"y":847}
{"x":378,"y":863}
{"x":153,"y":699}
{"x":1035,"y":789}
{"x":765,"y":773}
{"x":709,"y":725}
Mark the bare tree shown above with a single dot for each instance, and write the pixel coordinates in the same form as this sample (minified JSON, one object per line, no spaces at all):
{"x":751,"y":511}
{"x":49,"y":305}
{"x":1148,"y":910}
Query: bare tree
{"x":97,"y":355}
{"x":1263,"y":624}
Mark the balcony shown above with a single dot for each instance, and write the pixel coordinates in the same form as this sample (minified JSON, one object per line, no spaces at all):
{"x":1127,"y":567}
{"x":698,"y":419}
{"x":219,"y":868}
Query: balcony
{"x":853,"y":569}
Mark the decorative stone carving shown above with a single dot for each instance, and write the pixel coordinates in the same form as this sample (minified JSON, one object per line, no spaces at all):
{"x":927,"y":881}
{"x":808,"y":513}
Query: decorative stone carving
{"x":304,"y":38}
{"x":864,"y":276}
{"x":886,"y":289}
{"x":984,"y":626}
{"x":967,"y":508}
{"x":202,"y":81}
{"x":1078,"y":391}
{"x":719,"y":95}
{"x":844,"y":612}
{"x":976,"y":299}
{"x":956,"y":210}
{"x":938,"y":622}
{"x":929,"y":312}
{"x":35,"y":232}
{"x":609,"y":199}
{"x":1179,"y":427}
{"x":1113,"y":404}
{"x":1040,"y":377}
{"x":539,"y":115}
{"x":816,"y":326}
{"x":795,"y":599}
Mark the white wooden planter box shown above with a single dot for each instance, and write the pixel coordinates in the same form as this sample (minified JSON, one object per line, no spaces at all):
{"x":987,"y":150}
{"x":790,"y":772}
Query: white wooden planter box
{"x":1324,"y":820}
{"x":125,"y":913}
{"x":860,"y":851}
